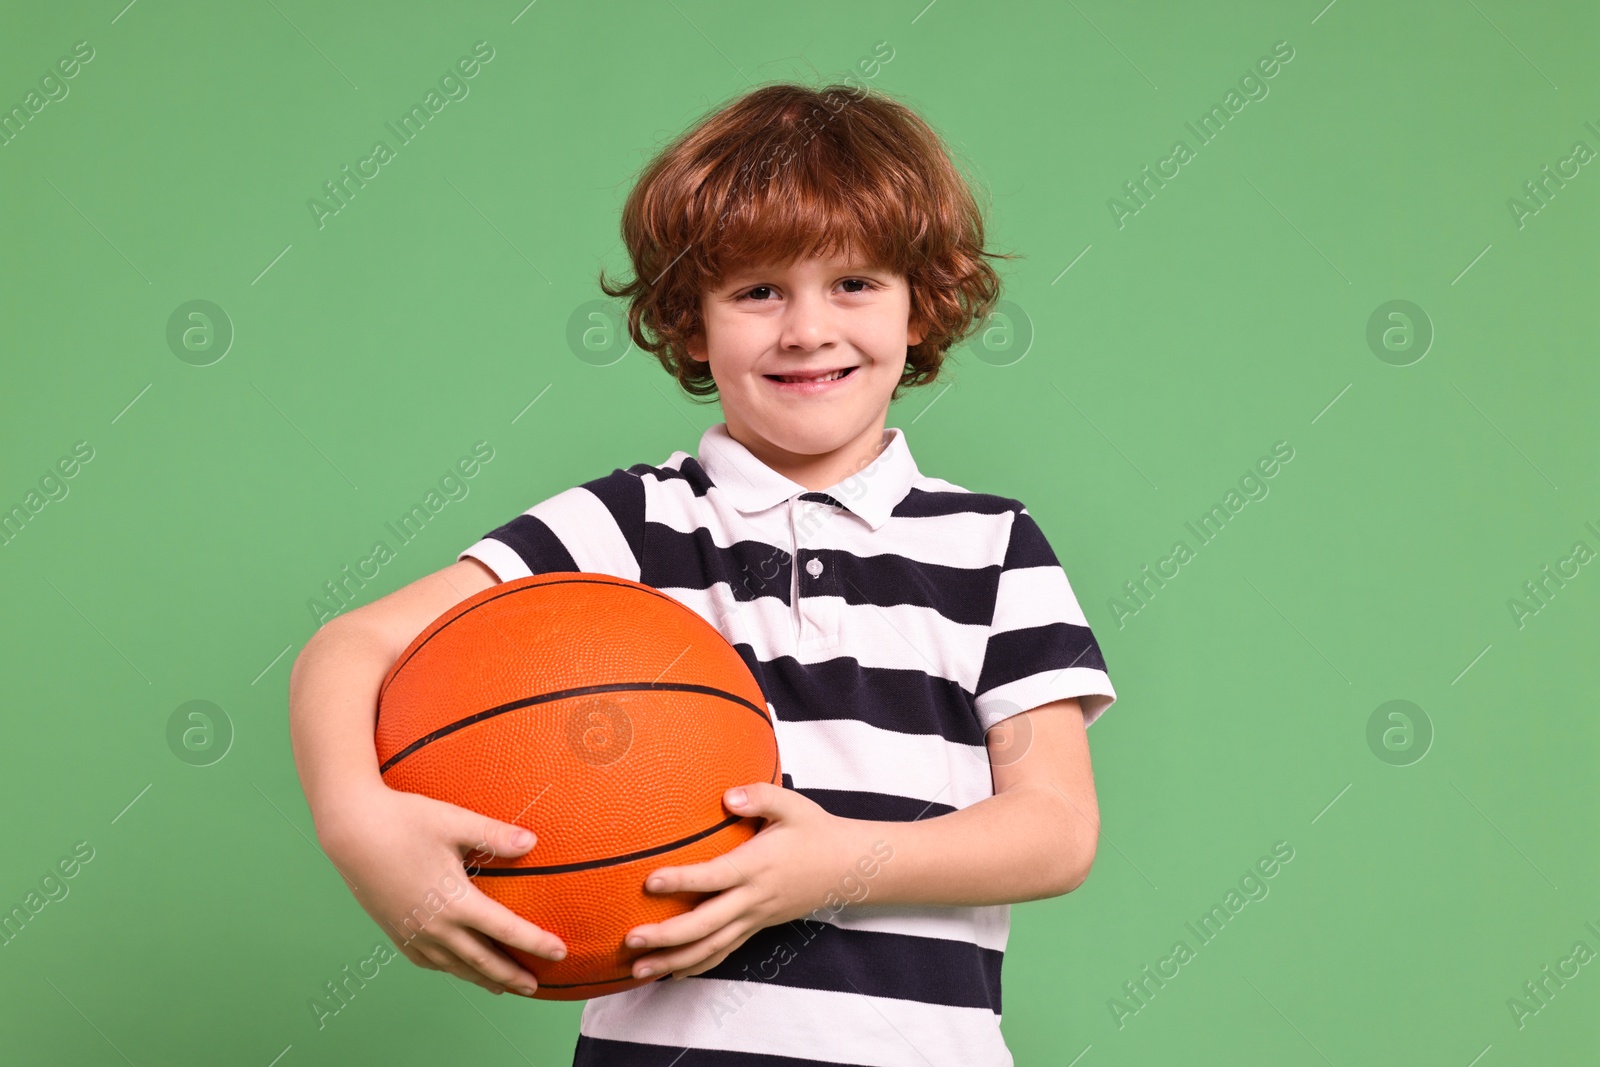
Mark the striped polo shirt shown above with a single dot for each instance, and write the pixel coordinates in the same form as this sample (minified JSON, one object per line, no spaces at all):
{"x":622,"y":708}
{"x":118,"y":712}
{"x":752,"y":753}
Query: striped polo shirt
{"x":891,"y":620}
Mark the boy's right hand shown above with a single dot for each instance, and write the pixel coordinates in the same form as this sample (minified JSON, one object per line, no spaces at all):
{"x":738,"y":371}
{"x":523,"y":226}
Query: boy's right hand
{"x":398,"y":848}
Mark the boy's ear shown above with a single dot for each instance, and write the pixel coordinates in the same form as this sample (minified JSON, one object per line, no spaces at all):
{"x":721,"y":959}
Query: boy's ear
{"x":914,"y":333}
{"x":696,"y":345}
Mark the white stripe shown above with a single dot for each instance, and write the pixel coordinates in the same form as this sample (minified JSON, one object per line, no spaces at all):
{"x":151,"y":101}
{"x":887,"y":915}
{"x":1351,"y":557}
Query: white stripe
{"x":900,"y":636}
{"x":499,"y":557}
{"x":758,"y":1017}
{"x":850,"y":754}
{"x":929,"y":484}
{"x":965,"y":539}
{"x":986,"y":925}
{"x":1089,"y":684}
{"x":1035,"y":596}
{"x":672,"y":503}
{"x":583,"y":524}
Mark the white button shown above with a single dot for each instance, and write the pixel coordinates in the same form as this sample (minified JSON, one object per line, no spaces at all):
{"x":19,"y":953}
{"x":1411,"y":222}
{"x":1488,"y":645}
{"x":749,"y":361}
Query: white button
{"x":813,"y":566}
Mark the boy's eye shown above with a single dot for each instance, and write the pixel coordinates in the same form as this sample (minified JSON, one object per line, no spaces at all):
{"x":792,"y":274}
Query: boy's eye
{"x":762,"y":292}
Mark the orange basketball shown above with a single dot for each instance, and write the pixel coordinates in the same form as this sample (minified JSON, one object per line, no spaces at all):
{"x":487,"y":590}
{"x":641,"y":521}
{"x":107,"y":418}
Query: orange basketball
{"x":601,"y":714}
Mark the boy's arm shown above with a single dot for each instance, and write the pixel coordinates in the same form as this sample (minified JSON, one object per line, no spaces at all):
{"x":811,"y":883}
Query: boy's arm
{"x":1034,"y":838}
{"x":401,"y":853}
{"x":333,"y":685}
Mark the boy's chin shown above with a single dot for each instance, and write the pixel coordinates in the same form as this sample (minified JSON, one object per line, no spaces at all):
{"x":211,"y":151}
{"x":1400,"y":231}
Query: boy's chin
{"x":817,"y":436}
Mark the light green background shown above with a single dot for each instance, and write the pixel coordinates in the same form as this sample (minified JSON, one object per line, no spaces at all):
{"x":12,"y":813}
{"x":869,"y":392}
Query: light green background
{"x":1227,"y":315}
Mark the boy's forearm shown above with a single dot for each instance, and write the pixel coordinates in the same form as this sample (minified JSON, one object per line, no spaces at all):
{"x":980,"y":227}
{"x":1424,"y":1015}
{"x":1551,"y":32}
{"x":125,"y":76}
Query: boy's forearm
{"x":333,"y":695}
{"x":1027,"y":843}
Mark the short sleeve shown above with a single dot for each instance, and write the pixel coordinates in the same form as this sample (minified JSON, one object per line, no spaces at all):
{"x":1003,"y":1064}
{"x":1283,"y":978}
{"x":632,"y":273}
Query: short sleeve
{"x":596,"y":527}
{"x":1040,"y":648}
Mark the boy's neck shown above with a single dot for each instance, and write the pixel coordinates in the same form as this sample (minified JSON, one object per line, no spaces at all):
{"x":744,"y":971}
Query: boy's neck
{"x":815,"y":472}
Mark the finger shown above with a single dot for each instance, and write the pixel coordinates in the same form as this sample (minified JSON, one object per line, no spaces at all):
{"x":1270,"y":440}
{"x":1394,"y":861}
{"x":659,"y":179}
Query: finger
{"x":763,"y":800}
{"x":417,"y":956}
{"x":483,"y":839}
{"x":714,"y":959}
{"x":446,"y":960}
{"x":709,"y":877}
{"x":493,"y":968}
{"x":691,"y":926}
{"x":689,"y":955}
{"x":488,"y":916}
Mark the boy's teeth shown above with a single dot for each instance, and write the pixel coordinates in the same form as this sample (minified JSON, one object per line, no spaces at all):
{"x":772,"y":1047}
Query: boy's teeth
{"x":820,"y":378}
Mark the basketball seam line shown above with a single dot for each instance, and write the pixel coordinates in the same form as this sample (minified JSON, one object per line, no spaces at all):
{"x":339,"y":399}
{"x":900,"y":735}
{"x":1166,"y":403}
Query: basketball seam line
{"x":609,"y":861}
{"x":562,"y":694}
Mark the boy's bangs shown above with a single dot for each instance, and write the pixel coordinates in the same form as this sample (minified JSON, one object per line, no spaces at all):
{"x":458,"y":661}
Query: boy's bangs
{"x":811,"y":206}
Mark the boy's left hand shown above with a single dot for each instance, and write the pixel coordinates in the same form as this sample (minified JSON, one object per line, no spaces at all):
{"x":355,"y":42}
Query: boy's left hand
{"x":783,"y":872}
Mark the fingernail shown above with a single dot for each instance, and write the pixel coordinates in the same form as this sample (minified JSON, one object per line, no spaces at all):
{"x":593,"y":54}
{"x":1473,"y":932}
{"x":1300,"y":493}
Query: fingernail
{"x":636,"y":942}
{"x":559,"y":954}
{"x":522,"y":839}
{"x":644,"y":972}
{"x":654,"y":885}
{"x":736,"y":797}
{"x":526,"y":990}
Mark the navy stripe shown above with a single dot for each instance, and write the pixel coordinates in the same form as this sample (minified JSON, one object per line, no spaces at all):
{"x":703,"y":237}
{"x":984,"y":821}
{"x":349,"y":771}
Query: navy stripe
{"x":676,"y":560}
{"x":890,"y":698}
{"x":876,"y":807}
{"x":603,"y":1052}
{"x":689,"y":471}
{"x":623,"y":495}
{"x":933,"y":503}
{"x":672,"y":559}
{"x":961,"y":594}
{"x":538,"y":546}
{"x":1023,"y":653}
{"x":1028,"y":547}
{"x":810,"y":954}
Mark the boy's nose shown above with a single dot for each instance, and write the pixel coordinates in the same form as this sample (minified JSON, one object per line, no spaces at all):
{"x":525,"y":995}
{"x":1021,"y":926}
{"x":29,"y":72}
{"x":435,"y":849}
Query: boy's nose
{"x":807,"y":324}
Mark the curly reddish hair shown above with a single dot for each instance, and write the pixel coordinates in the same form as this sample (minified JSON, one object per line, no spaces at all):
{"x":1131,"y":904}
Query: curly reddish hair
{"x":784,"y":172}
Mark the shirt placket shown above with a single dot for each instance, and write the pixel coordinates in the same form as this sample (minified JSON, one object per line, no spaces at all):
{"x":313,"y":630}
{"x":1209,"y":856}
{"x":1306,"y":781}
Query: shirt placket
{"x":816,"y":584}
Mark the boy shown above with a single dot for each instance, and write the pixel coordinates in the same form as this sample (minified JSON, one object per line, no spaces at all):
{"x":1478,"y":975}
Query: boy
{"x":803,"y":255}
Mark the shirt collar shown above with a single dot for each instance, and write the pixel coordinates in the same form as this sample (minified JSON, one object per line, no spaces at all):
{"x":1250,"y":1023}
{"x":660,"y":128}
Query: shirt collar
{"x":751,"y":486}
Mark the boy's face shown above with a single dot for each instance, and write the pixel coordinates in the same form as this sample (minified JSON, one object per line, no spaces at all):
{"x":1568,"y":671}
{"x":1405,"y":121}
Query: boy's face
{"x":804,"y":319}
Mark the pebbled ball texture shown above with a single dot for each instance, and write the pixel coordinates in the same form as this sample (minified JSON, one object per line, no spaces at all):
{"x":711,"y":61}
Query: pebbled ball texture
{"x":601,"y":714}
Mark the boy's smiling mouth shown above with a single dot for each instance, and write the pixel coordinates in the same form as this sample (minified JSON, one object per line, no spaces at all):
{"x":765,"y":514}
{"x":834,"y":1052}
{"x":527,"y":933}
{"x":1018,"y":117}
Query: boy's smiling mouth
{"x":812,"y":381}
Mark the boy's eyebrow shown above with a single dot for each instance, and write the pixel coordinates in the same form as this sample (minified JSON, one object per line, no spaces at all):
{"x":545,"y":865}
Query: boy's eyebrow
{"x":742,"y":275}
